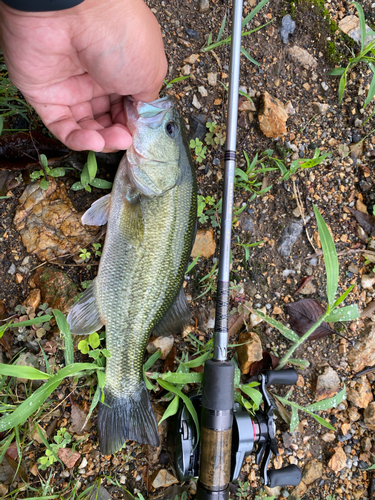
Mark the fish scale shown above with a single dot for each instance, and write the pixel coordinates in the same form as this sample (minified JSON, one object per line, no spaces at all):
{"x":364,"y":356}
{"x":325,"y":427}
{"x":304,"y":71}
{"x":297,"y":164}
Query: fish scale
{"x":138,"y":289}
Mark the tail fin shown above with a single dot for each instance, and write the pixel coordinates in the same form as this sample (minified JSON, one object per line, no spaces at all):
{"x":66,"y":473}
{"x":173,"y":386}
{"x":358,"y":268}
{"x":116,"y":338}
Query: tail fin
{"x":126,"y":418}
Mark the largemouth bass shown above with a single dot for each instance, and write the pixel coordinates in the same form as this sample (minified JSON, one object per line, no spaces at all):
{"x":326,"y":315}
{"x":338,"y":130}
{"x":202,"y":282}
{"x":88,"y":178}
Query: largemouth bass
{"x":151,"y":216}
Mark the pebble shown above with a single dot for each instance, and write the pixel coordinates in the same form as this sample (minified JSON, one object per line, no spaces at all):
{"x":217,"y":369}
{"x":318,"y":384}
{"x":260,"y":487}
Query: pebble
{"x":250,"y":350}
{"x":327,"y":385}
{"x":204,"y":244}
{"x":272,"y":119}
{"x":12,"y":269}
{"x":204,"y":5}
{"x":212,"y":79}
{"x":164,"y":344}
{"x":289,"y":237}
{"x":196,"y":103}
{"x":203,"y":92}
{"x":324,"y":86}
{"x":287,"y":28}
{"x":192,"y":33}
{"x":303,"y":57}
{"x":363,"y":353}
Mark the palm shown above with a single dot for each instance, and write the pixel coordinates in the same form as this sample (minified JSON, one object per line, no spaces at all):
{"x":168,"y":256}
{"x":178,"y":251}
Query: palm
{"x":76,"y":78}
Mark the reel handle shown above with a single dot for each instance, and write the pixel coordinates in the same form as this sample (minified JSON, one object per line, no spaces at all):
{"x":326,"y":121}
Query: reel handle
{"x":288,"y":476}
{"x":284,"y":377}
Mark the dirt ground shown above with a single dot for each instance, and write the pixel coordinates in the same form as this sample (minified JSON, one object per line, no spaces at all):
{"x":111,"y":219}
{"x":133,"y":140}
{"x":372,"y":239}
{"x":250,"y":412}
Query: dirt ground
{"x":266,"y":279}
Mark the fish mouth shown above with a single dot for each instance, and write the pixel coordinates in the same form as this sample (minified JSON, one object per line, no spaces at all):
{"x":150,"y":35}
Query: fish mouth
{"x":150,"y":114}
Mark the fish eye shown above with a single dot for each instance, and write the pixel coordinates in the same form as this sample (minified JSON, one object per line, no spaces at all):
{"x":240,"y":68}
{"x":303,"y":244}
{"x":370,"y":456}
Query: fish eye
{"x":172,"y":129}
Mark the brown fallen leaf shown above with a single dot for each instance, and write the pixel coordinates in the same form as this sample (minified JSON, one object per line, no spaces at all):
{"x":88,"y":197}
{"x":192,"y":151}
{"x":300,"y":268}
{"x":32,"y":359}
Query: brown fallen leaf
{"x":268,"y":362}
{"x":78,"y":418}
{"x":235,"y":323}
{"x":68,"y":457}
{"x":303,"y":314}
{"x":366,"y":221}
{"x":303,"y":283}
{"x":6,"y":341}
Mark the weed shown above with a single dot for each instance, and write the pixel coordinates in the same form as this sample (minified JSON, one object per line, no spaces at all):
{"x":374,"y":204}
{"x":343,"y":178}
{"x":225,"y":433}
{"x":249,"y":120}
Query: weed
{"x":199,"y":149}
{"x":168,"y":85}
{"x":10,"y":102}
{"x":45,"y":172}
{"x":215,"y":136}
{"x":205,"y":213}
{"x":85,"y":255}
{"x":62,"y":439}
{"x":263,"y":496}
{"x":242,"y":490}
{"x":210,"y":281}
{"x":93,"y":341}
{"x":38,"y":328}
{"x":210,"y":46}
{"x":88,"y":176}
{"x":248,"y":179}
{"x":362,"y":57}
{"x":247,"y":246}
{"x":97,"y":247}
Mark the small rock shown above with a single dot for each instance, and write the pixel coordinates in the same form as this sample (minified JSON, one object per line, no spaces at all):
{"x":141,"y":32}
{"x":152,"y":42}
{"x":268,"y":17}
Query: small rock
{"x":100,"y":493}
{"x":298,"y":491}
{"x":196,"y":103}
{"x":273,"y":491}
{"x":338,"y":461}
{"x":254,"y":319}
{"x":192,"y":59}
{"x":162,"y":479}
{"x":12,"y":269}
{"x":164,"y":344}
{"x":361,"y":395}
{"x":302,"y":57}
{"x":27,"y":359}
{"x":68,"y":457}
{"x":247,"y":224}
{"x":49,"y":224}
{"x":353,"y":414}
{"x":308,"y":289}
{"x":204,"y":5}
{"x":312,"y":471}
{"x":212,"y":79}
{"x":186,"y":70}
{"x":18,"y":278}
{"x":350,"y":26}
{"x":192,"y":33}
{"x":368,"y":280}
{"x":203,"y":92}
{"x":33,"y":299}
{"x":328,"y":437}
{"x":369,"y":416}
{"x":272,"y":117}
{"x":247,"y":106}
{"x":363,"y":353}
{"x":289,"y":237}
{"x":57,"y":289}
{"x":287,"y":28}
{"x":198,"y":129}
{"x":320,"y":108}
{"x":327,"y":385}
{"x":204,"y":244}
{"x":324,"y":86}
{"x":249,"y":352}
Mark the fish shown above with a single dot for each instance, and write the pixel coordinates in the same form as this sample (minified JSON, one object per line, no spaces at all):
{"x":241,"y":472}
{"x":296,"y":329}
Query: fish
{"x":151,"y":226}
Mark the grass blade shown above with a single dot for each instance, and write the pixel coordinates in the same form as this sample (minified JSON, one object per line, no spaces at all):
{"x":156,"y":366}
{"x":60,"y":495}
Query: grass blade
{"x":331,"y":261}
{"x":348,"y":313}
{"x":92,"y":165}
{"x":254,"y":12}
{"x":222,"y":27}
{"x":248,"y":56}
{"x":171,"y":409}
{"x":342,"y":84}
{"x":287,"y":332}
{"x":28,"y":407}
{"x":362,"y":23}
{"x":67,"y":336}
{"x":327,"y":404}
{"x":23,"y":372}
{"x":371,"y":91}
{"x":343,"y":296}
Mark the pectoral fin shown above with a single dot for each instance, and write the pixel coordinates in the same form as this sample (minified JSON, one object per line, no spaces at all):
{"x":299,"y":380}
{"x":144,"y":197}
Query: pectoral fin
{"x":176,"y":318}
{"x":97,"y":214}
{"x":84,"y":317}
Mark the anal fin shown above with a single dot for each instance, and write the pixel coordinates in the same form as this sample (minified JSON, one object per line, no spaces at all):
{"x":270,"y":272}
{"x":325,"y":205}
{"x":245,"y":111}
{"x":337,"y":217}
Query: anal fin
{"x":84,"y":317}
{"x":175,"y":319}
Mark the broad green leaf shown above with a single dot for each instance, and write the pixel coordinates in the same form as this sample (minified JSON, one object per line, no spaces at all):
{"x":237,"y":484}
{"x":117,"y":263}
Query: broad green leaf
{"x":254,"y":12}
{"x":348,"y":313}
{"x":101,"y":379}
{"x":85,"y":176}
{"x":180,"y":378}
{"x":20,"y":371}
{"x":248,"y":56}
{"x":46,"y":444}
{"x":57,"y":172}
{"x":171,"y":409}
{"x":322,"y":421}
{"x":65,"y":332}
{"x":287,"y":332}
{"x":93,"y":340}
{"x":189,"y":405}
{"x":253,"y":394}
{"x":343,"y":296}
{"x":101,"y":183}
{"x":197,"y":361}
{"x":151,"y":360}
{"x":44,"y":161}
{"x":294,"y":421}
{"x":32,"y":403}
{"x":331,"y":261}
{"x":77,"y":186}
{"x":240,"y":173}
{"x":92,"y":165}
{"x":327,"y":404}
{"x":83,"y":346}
{"x":221,"y":28}
{"x":44,"y":184}
{"x":336,"y":72}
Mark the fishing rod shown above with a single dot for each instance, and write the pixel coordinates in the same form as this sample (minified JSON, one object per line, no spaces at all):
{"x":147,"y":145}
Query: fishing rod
{"x":228,"y":432}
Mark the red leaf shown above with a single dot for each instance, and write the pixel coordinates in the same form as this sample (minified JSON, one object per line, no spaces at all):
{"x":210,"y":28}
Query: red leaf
{"x":366,"y":221}
{"x":269,"y":362}
{"x":303,"y":314}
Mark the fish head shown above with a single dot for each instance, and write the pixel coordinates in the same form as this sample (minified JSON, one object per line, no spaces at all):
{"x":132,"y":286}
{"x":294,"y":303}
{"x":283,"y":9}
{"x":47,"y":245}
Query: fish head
{"x":153,"y":157}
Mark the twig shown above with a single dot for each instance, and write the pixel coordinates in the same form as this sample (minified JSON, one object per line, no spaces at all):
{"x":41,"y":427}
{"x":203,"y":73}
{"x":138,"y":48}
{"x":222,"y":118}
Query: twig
{"x":302,"y":212}
{"x":365,"y":371}
{"x":340,"y":254}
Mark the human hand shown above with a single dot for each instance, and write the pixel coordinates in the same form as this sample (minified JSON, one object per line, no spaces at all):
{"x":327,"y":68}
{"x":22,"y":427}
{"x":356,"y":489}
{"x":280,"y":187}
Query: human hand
{"x":74,"y":66}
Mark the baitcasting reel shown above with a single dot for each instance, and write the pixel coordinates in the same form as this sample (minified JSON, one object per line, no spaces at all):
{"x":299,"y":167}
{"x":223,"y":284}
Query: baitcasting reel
{"x":187,"y":457}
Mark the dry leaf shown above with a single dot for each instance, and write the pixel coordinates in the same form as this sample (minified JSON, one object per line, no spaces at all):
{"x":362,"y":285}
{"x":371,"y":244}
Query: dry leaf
{"x":303,"y":314}
{"x":68,"y":457}
{"x":366,"y":221}
{"x":269,"y":362}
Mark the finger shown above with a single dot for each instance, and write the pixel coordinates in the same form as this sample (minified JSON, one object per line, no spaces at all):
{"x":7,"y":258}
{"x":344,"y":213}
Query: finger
{"x":116,"y":137}
{"x":59,"y":120}
{"x":117,"y":109}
